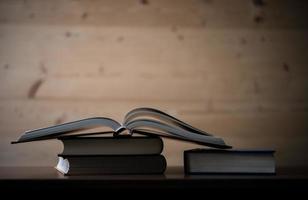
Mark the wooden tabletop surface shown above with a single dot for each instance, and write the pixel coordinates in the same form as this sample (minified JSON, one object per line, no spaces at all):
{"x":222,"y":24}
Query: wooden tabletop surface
{"x":49,"y":179}
{"x":172,"y":173}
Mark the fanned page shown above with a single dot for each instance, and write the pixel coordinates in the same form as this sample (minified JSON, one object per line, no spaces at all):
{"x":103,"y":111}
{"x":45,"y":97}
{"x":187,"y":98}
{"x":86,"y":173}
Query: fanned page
{"x":181,"y":134}
{"x":149,"y":118}
{"x":151,"y":112}
{"x":59,"y":130}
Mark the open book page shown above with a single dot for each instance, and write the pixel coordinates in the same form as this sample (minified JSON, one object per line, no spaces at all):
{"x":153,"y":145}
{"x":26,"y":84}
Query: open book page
{"x":174,"y":131}
{"x":161,"y":116}
{"x":57,"y":130}
{"x":146,"y":118}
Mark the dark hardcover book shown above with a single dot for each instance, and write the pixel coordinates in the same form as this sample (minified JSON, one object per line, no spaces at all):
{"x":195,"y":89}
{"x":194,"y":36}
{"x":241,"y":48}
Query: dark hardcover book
{"x":142,"y":145}
{"x":95,"y":165}
{"x":216,"y":161}
{"x":147,"y":121}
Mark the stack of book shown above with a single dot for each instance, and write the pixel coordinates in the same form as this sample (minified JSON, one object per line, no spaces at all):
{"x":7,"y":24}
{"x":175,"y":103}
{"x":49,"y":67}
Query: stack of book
{"x":131,"y":154}
{"x":120,"y":153}
{"x":109,"y":155}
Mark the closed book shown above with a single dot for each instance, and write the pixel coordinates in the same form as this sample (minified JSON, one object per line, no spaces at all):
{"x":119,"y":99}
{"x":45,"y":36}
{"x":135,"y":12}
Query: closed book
{"x":139,"y":145}
{"x":215,"y":161}
{"x":95,"y":165}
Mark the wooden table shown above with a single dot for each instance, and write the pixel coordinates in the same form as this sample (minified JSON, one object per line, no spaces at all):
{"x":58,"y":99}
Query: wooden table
{"x":47,"y":179}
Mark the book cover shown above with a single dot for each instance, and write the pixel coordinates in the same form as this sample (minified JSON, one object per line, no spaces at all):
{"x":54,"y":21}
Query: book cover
{"x":138,"y":145}
{"x":121,"y":164}
{"x":234,"y":161}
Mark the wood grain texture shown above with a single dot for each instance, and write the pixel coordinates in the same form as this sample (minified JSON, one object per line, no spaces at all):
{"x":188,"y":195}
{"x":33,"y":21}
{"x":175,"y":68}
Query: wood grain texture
{"x":237,"y":71}
{"x":200,"y":13}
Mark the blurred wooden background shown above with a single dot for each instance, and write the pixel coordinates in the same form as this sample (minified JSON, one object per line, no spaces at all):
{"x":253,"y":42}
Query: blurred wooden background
{"x":237,"y":69}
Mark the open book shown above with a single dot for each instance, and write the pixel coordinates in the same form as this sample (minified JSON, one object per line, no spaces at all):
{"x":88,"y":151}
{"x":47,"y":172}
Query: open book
{"x":146,"y":121}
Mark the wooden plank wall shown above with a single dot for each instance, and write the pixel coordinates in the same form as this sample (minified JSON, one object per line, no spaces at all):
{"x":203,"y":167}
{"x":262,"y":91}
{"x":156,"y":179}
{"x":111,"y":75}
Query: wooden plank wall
{"x":237,"y":69}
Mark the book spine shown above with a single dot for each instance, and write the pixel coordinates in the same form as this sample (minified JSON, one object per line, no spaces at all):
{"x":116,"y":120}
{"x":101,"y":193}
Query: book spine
{"x":186,"y":162}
